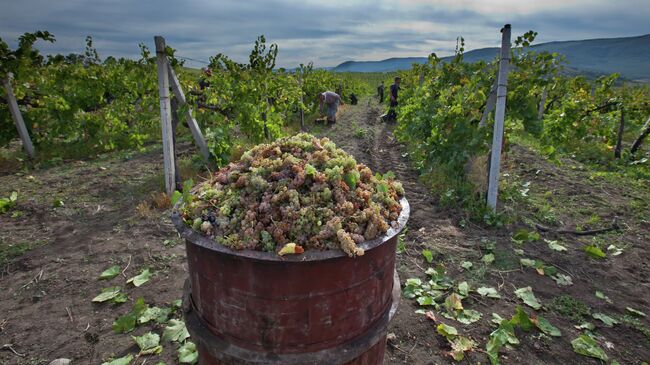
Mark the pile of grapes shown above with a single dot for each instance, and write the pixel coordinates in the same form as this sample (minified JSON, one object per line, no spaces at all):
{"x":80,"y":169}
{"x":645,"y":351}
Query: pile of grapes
{"x":300,"y":192}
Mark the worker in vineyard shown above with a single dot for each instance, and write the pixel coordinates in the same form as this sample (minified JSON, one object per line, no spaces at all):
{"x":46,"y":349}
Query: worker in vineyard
{"x":205,"y":80}
{"x":394,"y":90}
{"x":353,"y":99}
{"x":332,"y":100}
{"x":380,"y":92}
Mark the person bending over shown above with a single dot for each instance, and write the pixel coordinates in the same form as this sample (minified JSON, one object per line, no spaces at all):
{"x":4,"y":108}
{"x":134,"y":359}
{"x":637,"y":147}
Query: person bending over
{"x":332,"y":100}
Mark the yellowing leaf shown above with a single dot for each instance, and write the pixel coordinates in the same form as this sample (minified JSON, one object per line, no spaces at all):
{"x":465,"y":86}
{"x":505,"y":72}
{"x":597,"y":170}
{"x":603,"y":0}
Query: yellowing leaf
{"x":453,"y":303}
{"x":290,"y":249}
{"x":459,"y":346}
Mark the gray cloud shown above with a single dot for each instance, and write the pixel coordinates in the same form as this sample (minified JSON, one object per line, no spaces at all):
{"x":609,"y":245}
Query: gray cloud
{"x":326,"y":32}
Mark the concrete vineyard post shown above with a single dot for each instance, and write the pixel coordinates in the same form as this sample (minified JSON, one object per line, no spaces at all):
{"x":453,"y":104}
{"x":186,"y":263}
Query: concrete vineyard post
{"x":165,"y":114}
{"x":499,"y":116}
{"x":194,"y":126}
{"x":17,"y":117}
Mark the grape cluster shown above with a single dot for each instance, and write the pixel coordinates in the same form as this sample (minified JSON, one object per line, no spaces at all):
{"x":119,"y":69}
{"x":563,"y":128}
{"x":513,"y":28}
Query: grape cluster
{"x":299,"y":189}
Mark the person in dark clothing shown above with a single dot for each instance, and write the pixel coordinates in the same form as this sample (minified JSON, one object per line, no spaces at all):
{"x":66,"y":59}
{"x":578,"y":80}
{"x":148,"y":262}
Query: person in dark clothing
{"x":380,"y":92}
{"x":394,"y":90}
{"x":353,"y":99}
{"x":204,"y":81}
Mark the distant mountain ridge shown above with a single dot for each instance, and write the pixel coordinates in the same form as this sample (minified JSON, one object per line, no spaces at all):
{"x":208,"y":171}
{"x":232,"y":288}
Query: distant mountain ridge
{"x":629,"y":56}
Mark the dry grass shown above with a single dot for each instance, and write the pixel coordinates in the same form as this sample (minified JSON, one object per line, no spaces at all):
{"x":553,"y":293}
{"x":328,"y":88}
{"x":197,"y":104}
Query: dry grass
{"x":155,"y":202}
{"x":477,"y":172}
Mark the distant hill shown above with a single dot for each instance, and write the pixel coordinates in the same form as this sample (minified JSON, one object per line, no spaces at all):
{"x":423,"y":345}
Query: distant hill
{"x":629,"y":56}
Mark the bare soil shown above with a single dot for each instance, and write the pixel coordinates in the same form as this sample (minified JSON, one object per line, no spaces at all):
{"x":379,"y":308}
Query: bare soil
{"x":53,"y":255}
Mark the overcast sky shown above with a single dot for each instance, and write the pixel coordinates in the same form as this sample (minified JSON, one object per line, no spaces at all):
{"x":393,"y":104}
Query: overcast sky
{"x":326,"y":32}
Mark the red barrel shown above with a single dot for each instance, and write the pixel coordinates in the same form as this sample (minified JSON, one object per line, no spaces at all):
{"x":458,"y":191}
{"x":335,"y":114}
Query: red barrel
{"x":320,"y":307}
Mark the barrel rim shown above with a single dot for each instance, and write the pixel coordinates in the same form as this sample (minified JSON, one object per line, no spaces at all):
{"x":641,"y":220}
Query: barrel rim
{"x":199,"y":239}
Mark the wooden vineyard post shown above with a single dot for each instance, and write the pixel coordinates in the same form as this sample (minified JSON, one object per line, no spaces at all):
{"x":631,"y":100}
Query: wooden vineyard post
{"x":194,"y":126}
{"x":17,"y":117}
{"x":165,"y":115}
{"x":499,"y":116}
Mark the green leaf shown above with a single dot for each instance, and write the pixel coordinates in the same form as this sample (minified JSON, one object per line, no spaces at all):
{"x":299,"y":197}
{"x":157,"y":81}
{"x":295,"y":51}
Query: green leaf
{"x":553,"y":245}
{"x":176,"y":196}
{"x":140,"y":279}
{"x":545,"y":326}
{"x":466,"y":265}
{"x":607,"y":320}
{"x":351,"y":179}
{"x":110,"y":273}
{"x":563,"y":280}
{"x":459,"y":346}
{"x":310,"y":170}
{"x":635,"y":312}
{"x":594,"y":252}
{"x":468,"y":316}
{"x":526,"y":294}
{"x":601,"y":295}
{"x":523,"y":235}
{"x":527,"y":262}
{"x":175,"y":304}
{"x":521,"y":319}
{"x":175,"y":331}
{"x":499,"y":337}
{"x":488,"y":292}
{"x":428,"y":255}
{"x":149,"y":343}
{"x":426,"y":300}
{"x":127,"y":322}
{"x":13,"y":197}
{"x":587,"y":346}
{"x":120,"y":298}
{"x":446,"y":331}
{"x":159,"y":315}
{"x":107,"y":294}
{"x":463,"y":289}
{"x":126,"y":360}
{"x":187,"y":353}
{"x":488,"y":259}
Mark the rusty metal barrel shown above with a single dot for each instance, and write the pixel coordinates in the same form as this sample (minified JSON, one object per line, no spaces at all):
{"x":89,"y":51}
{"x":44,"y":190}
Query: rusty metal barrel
{"x":319,"y":307}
